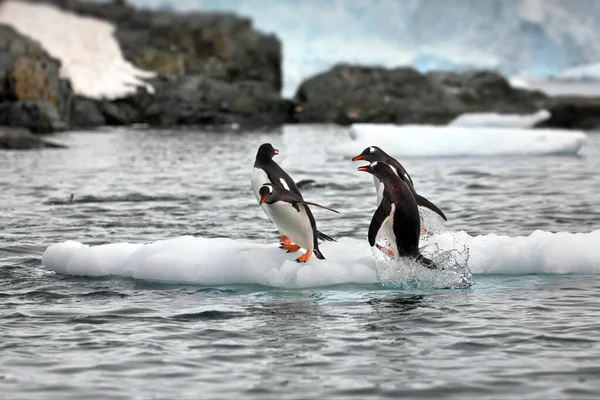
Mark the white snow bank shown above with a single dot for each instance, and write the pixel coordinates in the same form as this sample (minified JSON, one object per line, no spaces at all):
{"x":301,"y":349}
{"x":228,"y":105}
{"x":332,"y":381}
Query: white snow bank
{"x":499,"y":120}
{"x":431,"y":141}
{"x":223,"y":261}
{"x":90,"y":54}
{"x":586,"y":72}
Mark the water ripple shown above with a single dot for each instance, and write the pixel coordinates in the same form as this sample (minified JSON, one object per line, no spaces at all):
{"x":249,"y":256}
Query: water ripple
{"x":526,"y":337}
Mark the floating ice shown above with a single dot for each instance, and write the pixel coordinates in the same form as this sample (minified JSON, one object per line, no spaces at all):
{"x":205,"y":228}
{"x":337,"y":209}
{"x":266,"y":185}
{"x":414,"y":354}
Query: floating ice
{"x":223,"y":261}
{"x":500,"y":120}
{"x":440,"y":141}
{"x":589,"y":72}
{"x":90,"y":54}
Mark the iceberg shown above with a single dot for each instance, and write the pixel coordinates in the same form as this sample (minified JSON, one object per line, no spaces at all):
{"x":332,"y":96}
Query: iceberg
{"x":224,"y":261}
{"x":457,"y":141}
{"x":500,"y":120}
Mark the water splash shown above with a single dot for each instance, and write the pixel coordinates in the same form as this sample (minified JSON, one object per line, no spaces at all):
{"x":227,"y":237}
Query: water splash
{"x":453,"y":266}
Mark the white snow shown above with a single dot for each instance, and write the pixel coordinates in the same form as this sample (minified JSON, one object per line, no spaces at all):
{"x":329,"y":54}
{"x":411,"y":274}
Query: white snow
{"x":452,"y":141}
{"x":223,"y":261}
{"x":90,"y":54}
{"x":500,"y":120}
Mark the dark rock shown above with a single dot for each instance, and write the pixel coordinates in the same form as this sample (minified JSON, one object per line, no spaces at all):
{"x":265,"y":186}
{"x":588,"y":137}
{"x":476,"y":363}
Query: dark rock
{"x":571,"y":112}
{"x":29,"y":76}
{"x":199,"y":100}
{"x":86,"y":113}
{"x":37,"y":116}
{"x":219,"y":45}
{"x":22,"y":139}
{"x":347,"y":94}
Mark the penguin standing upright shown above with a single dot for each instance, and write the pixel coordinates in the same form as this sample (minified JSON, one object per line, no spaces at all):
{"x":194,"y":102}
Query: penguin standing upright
{"x":292,"y":216}
{"x":266,"y":170}
{"x":397,"y":214}
{"x":374,"y":153}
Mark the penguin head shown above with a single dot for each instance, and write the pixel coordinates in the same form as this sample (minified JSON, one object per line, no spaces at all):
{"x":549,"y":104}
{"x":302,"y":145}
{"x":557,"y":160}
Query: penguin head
{"x":371,"y":153}
{"x":379,"y":169}
{"x":265,"y":192}
{"x":266,"y":151}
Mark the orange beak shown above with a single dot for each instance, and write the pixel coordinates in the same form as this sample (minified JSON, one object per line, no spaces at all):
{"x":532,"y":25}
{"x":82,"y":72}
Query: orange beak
{"x":364,"y":168}
{"x":264,"y":198}
{"x":276,"y":151}
{"x":358,"y":158}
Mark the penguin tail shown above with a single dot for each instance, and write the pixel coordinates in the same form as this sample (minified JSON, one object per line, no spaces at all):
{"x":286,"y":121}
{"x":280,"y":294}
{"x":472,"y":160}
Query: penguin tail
{"x":426,"y":262}
{"x":318,"y":254}
{"x":323,"y":236}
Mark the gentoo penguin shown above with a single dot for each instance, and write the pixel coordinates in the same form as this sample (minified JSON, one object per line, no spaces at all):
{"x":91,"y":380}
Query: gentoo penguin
{"x":374,"y":153}
{"x":292,"y":216}
{"x":266,"y":170}
{"x":397,"y":214}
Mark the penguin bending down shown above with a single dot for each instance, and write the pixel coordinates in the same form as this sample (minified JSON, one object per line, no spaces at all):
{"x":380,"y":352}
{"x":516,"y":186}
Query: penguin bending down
{"x":397,"y":214}
{"x":292,"y":216}
{"x":374,"y":153}
{"x":266,"y":170}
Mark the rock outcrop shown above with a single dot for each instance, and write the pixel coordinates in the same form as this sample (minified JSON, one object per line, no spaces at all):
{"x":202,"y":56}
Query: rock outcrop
{"x":347,"y":93}
{"x":572,"y":112}
{"x":32,"y":93}
{"x":222,"y":46}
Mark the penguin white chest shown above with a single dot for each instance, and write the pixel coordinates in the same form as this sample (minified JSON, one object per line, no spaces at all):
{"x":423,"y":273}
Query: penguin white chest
{"x":379,"y":187}
{"x":388,"y":228}
{"x":257,"y":179}
{"x":295,"y":225}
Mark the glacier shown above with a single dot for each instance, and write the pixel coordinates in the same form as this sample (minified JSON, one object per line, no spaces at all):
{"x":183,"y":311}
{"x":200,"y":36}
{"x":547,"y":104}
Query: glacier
{"x":534,"y":39}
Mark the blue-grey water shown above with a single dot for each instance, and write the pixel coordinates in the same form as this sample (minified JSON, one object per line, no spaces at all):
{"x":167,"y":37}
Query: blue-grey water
{"x":64,"y":337}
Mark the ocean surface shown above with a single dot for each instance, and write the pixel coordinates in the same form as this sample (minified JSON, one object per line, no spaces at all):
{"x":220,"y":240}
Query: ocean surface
{"x":527,"y":336}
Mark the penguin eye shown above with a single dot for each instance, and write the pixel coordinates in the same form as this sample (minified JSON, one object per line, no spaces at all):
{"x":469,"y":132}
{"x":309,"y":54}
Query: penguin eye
{"x":371,"y":150}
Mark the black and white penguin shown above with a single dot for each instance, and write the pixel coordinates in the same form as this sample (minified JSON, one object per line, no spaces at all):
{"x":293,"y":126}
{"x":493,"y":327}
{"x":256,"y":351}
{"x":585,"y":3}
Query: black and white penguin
{"x":397,"y":214}
{"x":293,"y":218}
{"x":266,"y":170}
{"x":374,"y":153}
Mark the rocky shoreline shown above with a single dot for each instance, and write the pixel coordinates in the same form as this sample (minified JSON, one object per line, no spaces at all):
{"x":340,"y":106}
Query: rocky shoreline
{"x":216,"y":69}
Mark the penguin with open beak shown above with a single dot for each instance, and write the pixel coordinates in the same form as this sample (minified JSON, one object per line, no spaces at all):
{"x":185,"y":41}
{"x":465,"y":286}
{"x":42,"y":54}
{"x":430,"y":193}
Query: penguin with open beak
{"x":397,"y":214}
{"x":374,"y":153}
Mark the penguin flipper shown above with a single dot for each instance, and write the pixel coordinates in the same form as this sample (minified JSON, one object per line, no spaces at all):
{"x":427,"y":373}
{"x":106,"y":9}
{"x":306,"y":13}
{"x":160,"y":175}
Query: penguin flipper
{"x":381,"y":215}
{"x":295,"y":204}
{"x":423,"y":202}
{"x":323,"y":236}
{"x":426,"y":262}
{"x":305,"y":182}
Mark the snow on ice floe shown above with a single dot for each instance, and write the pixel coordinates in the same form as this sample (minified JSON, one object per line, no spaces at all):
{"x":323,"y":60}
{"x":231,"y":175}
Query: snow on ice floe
{"x":495,"y":120}
{"x":455,"y":141}
{"x":224,"y":261}
{"x":90,"y":54}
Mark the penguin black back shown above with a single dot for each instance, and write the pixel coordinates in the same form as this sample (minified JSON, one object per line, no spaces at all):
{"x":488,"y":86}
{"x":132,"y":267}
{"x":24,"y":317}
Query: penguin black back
{"x":278,"y":177}
{"x":374,"y":153}
{"x":271,"y":194}
{"x":399,"y":204}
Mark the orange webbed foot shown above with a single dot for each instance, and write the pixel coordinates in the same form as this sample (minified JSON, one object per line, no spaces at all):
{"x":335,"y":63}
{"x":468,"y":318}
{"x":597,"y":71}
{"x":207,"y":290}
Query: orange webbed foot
{"x":304,"y":258}
{"x":284,"y":240}
{"x":290,"y":248}
{"x":385,"y":251}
